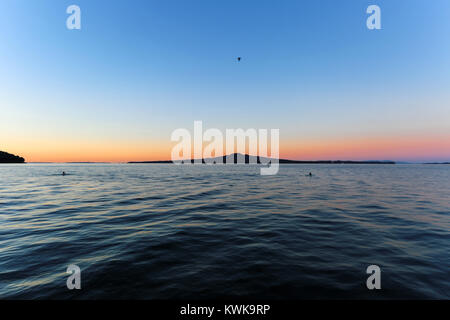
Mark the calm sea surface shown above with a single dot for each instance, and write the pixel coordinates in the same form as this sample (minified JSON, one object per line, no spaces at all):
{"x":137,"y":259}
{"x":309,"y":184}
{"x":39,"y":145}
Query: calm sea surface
{"x":166,"y":231}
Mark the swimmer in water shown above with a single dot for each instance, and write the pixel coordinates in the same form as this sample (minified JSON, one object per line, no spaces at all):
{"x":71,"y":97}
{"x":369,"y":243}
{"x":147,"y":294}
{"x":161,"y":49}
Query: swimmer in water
{"x":310,"y":174}
{"x":64,"y":173}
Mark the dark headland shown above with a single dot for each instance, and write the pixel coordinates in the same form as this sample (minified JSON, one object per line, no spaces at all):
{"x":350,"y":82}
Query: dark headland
{"x":233,"y":158}
{"x":6,"y":157}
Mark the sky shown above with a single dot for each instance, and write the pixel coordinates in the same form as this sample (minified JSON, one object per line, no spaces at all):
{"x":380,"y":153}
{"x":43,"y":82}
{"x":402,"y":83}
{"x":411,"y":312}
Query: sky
{"x":137,"y":70}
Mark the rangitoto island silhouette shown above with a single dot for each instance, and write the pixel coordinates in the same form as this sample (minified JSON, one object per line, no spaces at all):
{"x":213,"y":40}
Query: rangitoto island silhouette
{"x":6,"y":157}
{"x":233,"y":158}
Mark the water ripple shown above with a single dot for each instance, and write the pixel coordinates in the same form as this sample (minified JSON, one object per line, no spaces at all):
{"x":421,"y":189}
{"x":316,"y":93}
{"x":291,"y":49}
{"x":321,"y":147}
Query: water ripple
{"x":164,"y":231}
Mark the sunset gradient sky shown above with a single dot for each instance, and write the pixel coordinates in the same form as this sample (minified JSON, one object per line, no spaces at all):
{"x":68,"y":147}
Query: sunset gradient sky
{"x":137,"y":70}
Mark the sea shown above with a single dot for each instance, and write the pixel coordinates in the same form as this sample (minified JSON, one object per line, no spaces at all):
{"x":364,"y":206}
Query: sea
{"x":162,"y":231}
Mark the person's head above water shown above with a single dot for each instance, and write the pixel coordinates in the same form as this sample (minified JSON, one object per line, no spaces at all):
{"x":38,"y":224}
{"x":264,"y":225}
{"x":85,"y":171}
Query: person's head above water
{"x":64,"y":173}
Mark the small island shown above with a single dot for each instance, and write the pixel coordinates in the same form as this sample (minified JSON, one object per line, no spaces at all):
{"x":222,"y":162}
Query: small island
{"x":233,"y":158}
{"x":6,"y":157}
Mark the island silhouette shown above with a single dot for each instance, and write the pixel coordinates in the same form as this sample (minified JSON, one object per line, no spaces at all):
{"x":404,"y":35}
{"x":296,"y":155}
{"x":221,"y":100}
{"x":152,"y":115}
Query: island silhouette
{"x":6,"y":157}
{"x":233,"y":158}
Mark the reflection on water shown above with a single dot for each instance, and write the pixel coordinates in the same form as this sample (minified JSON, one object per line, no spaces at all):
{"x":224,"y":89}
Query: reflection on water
{"x":165,"y":231}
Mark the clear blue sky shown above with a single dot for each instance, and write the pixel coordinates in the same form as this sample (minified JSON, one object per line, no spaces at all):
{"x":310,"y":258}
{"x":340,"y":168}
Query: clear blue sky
{"x":137,"y":70}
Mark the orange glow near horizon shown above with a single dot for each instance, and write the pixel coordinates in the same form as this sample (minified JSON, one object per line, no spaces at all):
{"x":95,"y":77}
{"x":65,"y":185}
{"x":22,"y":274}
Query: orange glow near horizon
{"x":361,"y":148}
{"x":92,"y":151}
{"x":369,"y":148}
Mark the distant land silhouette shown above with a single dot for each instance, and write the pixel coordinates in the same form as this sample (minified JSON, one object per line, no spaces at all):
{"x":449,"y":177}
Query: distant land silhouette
{"x":437,"y":163}
{"x":6,"y":157}
{"x":256,"y":159}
